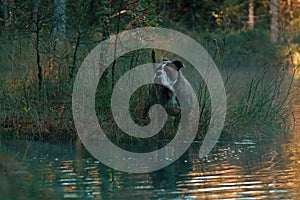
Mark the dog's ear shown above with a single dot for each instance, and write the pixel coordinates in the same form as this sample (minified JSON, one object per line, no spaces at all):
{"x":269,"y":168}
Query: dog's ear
{"x":178,"y":64}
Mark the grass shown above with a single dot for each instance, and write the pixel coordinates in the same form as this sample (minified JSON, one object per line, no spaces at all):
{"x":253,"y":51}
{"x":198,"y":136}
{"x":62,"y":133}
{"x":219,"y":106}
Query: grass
{"x":259,"y":106}
{"x":262,"y":109}
{"x":26,"y":111}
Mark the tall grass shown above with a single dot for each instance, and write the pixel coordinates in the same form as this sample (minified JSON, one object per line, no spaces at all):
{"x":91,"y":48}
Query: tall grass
{"x":27,"y":111}
{"x":260,"y":105}
{"x":262,"y":109}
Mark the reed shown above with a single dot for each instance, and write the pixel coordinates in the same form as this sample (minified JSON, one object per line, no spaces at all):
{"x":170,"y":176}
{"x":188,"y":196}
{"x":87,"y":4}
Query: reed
{"x":28,"y":111}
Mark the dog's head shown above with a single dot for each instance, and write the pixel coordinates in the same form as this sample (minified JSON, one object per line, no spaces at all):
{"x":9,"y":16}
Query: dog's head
{"x":167,"y":73}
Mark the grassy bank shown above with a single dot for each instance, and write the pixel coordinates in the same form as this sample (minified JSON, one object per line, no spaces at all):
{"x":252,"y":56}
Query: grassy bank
{"x":257,"y":103}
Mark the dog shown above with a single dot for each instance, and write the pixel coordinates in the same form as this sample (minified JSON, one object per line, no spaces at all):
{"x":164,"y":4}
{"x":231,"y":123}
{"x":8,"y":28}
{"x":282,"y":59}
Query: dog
{"x":169,"y":87}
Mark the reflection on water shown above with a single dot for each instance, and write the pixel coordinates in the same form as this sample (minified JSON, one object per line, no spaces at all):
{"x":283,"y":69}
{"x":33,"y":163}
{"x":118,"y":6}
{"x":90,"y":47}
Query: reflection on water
{"x":241,"y":169}
{"x":244,"y":169}
{"x":291,"y":151}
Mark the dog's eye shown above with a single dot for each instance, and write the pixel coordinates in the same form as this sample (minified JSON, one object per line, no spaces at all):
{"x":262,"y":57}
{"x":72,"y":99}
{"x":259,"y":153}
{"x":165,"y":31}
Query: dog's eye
{"x":171,"y":75}
{"x":168,"y":71}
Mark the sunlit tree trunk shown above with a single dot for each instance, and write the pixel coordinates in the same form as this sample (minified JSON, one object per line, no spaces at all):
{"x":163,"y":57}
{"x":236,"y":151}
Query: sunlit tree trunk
{"x":289,"y":4}
{"x":274,"y":20}
{"x":251,"y":14}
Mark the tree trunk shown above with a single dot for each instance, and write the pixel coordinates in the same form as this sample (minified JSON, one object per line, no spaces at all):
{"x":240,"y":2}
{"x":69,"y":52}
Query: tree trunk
{"x":274,"y":20}
{"x":165,"y":12}
{"x":36,"y":36}
{"x":59,"y":18}
{"x":251,"y":15}
{"x":4,"y":11}
{"x":105,"y":35}
{"x":192,"y":7}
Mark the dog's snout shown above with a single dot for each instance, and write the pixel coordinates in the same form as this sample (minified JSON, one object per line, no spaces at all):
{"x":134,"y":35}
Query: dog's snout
{"x":157,"y":80}
{"x":158,"y":73}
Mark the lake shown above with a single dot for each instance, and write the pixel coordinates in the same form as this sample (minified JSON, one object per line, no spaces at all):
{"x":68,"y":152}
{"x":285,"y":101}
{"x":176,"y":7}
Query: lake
{"x":246,"y":169}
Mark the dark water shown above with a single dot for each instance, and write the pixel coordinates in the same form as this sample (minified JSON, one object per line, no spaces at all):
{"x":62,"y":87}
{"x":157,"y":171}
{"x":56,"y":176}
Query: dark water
{"x":246,"y":169}
{"x":243,"y":169}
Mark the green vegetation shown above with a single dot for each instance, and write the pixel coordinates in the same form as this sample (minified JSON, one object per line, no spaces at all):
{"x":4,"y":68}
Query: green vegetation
{"x":37,"y":67}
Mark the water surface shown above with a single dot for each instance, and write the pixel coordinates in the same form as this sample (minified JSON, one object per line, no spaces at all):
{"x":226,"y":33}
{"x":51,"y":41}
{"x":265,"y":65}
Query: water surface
{"x":245,"y":169}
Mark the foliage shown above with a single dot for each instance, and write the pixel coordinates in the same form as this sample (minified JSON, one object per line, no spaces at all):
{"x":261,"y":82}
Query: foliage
{"x":41,"y":107}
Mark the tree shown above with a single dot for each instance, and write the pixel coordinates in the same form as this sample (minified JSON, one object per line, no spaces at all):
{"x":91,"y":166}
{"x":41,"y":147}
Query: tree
{"x":36,"y":40}
{"x":274,"y":21}
{"x":251,"y":14}
{"x":4,"y":13}
{"x":59,"y":18}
